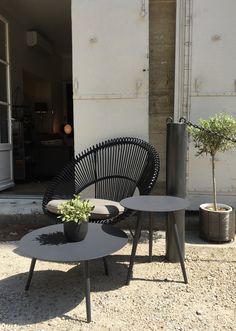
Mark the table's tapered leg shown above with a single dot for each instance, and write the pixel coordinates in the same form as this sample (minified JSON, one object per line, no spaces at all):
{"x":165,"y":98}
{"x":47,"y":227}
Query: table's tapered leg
{"x":134,"y":248}
{"x":150,"y":236}
{"x":105,"y":266}
{"x":87,"y":291}
{"x":32,"y":265}
{"x":177,"y":241}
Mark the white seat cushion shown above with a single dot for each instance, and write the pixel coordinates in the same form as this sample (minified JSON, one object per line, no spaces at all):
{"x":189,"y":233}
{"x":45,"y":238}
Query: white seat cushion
{"x":53,"y":205}
{"x":103,"y":209}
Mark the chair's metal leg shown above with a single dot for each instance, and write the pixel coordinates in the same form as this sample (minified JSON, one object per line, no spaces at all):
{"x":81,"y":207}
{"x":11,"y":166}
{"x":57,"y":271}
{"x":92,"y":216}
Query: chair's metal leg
{"x":177,"y":241}
{"x":32,"y":265}
{"x":105,"y":266}
{"x":87,"y":291}
{"x":134,"y":248}
{"x":150,"y":236}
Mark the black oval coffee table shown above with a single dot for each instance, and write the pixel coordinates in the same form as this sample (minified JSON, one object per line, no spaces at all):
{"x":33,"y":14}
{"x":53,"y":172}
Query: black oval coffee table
{"x":49,"y":244}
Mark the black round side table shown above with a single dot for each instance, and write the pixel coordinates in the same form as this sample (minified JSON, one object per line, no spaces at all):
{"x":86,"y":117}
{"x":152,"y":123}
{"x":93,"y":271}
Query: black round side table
{"x":49,"y":244}
{"x":154,"y":204}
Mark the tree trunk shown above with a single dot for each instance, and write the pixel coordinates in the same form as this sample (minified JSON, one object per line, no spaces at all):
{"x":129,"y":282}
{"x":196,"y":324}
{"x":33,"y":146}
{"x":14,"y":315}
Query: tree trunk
{"x":214,"y":181}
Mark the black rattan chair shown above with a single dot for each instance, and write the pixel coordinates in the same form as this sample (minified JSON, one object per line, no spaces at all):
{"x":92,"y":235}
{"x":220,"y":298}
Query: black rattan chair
{"x":115,"y":168}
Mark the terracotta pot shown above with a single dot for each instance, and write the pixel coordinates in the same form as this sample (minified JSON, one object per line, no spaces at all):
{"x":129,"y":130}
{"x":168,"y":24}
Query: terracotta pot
{"x":74,"y":231}
{"x":217,"y":226}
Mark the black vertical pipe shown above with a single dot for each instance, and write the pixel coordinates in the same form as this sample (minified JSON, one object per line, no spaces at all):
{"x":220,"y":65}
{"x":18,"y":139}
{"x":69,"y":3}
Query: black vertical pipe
{"x":176,"y":184}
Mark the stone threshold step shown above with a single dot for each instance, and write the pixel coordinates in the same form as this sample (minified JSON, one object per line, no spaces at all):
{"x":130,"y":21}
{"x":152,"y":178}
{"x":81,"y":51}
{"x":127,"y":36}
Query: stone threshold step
{"x":28,"y":210}
{"x":21,"y":205}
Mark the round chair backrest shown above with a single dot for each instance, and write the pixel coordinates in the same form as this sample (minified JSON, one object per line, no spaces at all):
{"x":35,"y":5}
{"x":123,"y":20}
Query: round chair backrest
{"x":116,"y":168}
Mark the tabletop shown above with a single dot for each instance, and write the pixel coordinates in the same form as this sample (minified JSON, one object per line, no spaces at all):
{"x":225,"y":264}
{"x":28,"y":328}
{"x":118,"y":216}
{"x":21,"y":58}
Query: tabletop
{"x":49,"y":243}
{"x":155,"y":203}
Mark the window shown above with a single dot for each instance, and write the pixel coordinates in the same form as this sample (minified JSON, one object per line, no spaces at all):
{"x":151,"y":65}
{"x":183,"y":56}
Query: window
{"x":4,"y":83}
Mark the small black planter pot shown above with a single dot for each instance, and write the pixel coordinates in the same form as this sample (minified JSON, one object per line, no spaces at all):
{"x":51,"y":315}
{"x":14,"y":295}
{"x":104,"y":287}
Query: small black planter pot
{"x":217,"y":226}
{"x":74,"y":231}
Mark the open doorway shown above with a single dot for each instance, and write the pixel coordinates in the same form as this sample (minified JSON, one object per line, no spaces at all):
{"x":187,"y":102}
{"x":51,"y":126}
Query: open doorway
{"x":40,"y":52}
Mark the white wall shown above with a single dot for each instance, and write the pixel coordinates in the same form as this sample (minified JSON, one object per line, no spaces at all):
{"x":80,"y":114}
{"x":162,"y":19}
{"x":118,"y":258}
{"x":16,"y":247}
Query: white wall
{"x":110,"y":70}
{"x":208,"y":65}
{"x":100,"y":120}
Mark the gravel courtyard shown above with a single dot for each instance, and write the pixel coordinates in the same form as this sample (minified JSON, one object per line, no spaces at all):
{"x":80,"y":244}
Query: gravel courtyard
{"x":156,"y":299}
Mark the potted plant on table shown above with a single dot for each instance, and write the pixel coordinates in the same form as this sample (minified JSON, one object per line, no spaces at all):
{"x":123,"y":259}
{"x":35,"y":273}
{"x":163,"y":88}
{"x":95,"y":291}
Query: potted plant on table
{"x":75,"y":214}
{"x":216,"y":220}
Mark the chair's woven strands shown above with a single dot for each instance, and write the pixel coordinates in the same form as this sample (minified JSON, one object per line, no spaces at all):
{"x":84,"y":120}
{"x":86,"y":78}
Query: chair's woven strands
{"x":115,"y":167}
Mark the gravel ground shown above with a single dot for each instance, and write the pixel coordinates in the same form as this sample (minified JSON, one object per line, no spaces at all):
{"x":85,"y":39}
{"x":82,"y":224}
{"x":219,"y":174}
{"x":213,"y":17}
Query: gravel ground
{"x":156,"y":299}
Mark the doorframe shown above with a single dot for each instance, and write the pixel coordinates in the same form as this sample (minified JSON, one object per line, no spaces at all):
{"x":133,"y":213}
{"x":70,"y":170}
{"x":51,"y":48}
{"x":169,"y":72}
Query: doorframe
{"x":7,"y":146}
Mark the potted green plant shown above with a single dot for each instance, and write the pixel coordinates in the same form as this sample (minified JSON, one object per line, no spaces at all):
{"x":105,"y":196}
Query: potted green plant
{"x":216,"y":220}
{"x":75,"y":214}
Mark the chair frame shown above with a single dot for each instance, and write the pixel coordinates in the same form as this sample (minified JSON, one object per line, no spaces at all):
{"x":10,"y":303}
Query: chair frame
{"x":106,"y":165}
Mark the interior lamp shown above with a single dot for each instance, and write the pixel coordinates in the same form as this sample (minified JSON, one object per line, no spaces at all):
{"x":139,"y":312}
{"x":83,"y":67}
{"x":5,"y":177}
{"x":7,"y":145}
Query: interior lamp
{"x":67,"y":129}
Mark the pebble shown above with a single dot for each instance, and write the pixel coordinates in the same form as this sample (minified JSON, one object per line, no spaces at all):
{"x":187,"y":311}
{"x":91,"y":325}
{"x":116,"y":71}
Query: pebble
{"x":156,"y":299}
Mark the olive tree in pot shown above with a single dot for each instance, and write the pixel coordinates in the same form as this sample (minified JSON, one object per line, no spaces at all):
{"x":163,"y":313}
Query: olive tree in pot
{"x":75,"y":214}
{"x":216,"y":220}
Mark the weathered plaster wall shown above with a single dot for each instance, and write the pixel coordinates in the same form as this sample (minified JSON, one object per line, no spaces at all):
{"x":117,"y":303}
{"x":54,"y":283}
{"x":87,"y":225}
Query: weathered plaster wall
{"x":162,"y":67}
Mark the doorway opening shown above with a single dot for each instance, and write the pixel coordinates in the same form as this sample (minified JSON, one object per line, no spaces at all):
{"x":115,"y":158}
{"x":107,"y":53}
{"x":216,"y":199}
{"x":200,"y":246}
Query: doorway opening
{"x":40,"y":52}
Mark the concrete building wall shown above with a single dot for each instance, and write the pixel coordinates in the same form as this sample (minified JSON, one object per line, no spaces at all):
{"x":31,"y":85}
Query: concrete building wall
{"x":162,"y":14}
{"x":110,"y":70}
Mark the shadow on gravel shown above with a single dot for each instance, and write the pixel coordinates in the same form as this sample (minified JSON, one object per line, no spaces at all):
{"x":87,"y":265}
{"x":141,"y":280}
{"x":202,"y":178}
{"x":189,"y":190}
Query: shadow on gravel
{"x":160,"y":280}
{"x":193,"y":237}
{"x":53,"y":293}
{"x":145,"y":259}
{"x":139,"y":258}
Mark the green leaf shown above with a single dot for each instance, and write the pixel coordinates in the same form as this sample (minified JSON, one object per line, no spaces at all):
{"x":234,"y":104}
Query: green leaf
{"x":75,"y":210}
